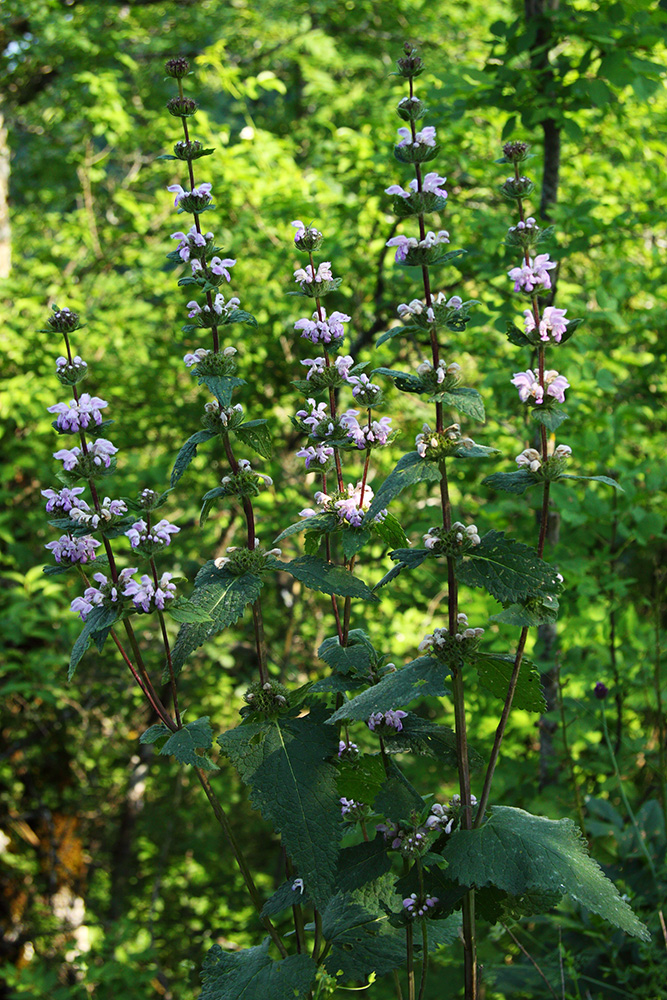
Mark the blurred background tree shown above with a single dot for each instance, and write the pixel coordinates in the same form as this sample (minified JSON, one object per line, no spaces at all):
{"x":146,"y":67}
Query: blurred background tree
{"x":113,"y":869}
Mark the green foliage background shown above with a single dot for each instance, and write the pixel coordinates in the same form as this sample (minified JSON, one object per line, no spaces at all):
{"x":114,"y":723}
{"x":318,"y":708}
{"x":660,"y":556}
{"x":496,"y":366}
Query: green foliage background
{"x":299,"y":102}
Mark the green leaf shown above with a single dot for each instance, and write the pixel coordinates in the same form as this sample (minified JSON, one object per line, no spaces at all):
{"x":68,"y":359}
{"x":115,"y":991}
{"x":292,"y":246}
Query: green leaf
{"x":404,"y":559}
{"x":184,"y":743}
{"x":223,"y":597}
{"x":154,"y":733}
{"x":361,"y":779}
{"x":419,"y":679}
{"x":221,"y":386}
{"x":353,"y":540}
{"x":256,"y":434}
{"x":550,"y":416}
{"x":531,"y":613}
{"x":241,"y":316}
{"x":509,"y":570}
{"x":357,"y":926}
{"x":287,"y":765}
{"x":425,"y":738}
{"x":595,"y":479}
{"x":517,"y":336}
{"x":518,"y":852}
{"x":324,"y":522}
{"x":188,"y":452}
{"x":207,"y":502}
{"x":252,"y":975}
{"x":182,"y":610}
{"x":357,"y":657}
{"x":512,"y":482}
{"x":318,"y":574}
{"x":397,"y":799}
{"x":390,"y":531}
{"x":98,"y":621}
{"x":362,"y":863}
{"x":494,"y":670}
{"x":410,"y":469}
{"x":463,"y":450}
{"x":283,"y":898}
{"x":465,"y":400}
{"x":404,"y":381}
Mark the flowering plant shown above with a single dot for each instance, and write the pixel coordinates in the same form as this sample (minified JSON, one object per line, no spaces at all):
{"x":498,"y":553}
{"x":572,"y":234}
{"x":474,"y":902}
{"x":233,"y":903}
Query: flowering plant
{"x":383,"y":902}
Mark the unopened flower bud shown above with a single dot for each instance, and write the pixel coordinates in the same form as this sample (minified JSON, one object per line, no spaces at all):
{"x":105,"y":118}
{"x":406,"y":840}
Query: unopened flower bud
{"x":182,"y":107}
{"x":410,"y":64}
{"x":600,"y":691}
{"x":177,"y":67}
{"x":63,"y":320}
{"x":516,"y":152}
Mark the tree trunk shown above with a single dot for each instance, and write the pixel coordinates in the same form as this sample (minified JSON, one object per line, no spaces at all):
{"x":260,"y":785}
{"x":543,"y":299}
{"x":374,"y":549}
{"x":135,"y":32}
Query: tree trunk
{"x":5,"y":228}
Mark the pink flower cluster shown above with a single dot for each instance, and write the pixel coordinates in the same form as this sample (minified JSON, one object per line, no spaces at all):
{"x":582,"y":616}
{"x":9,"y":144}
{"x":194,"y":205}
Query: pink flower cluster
{"x":319,"y":329}
{"x":430,"y":184}
{"x":77,"y":415}
{"x":220,"y":307}
{"x":100,"y":449}
{"x":426,"y":137}
{"x":350,"y":508}
{"x":529,"y":386}
{"x":145,"y":595}
{"x":552,"y":325}
{"x":306,"y":275}
{"x":527,"y":277}
{"x":392,"y":719}
{"x":320,"y":453}
{"x":108,"y":510}
{"x":190,"y":240}
{"x":201,"y":191}
{"x":216,"y":265}
{"x":73,"y":550}
{"x":404,"y":244}
{"x":62,"y":501}
{"x":364,"y":436}
{"x":159,"y":534}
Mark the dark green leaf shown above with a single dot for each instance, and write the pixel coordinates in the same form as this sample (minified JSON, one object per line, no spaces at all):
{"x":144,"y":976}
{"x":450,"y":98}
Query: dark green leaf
{"x":318,"y":574}
{"x":397,"y":799}
{"x":361,"y":779}
{"x":353,"y":540}
{"x":465,"y":400}
{"x":323,"y":522}
{"x":363,"y":940}
{"x":530,"y":614}
{"x":550,"y":416}
{"x":356,"y":657}
{"x":362,"y":863}
{"x":390,"y":531}
{"x":512,"y":482}
{"x":182,"y":610}
{"x":241,"y":316}
{"x":424,"y":676}
{"x":596,"y":479}
{"x":404,"y":559}
{"x":463,"y":450}
{"x":518,"y":852}
{"x":99,"y":620}
{"x":494,"y":670}
{"x":410,"y":469}
{"x":223,"y":597}
{"x":425,"y":738}
{"x":283,"y":898}
{"x":517,"y":336}
{"x":287,"y":765}
{"x":404,"y":381}
{"x":188,"y":452}
{"x":251,"y":974}
{"x":208,"y":501}
{"x":509,"y":570}
{"x":221,"y":386}
{"x":256,"y":434}
{"x":184,"y":743}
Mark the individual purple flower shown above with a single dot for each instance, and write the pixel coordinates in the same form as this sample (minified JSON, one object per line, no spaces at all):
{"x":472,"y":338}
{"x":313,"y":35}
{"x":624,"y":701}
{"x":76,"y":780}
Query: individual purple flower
{"x":391,"y":719}
{"x":64,"y":500}
{"x":364,"y":436}
{"x":419,"y":908}
{"x":315,"y":366}
{"x":106,"y":591}
{"x":317,"y":417}
{"x":147,"y":596}
{"x":194,"y":359}
{"x":536,"y":272}
{"x":351,"y":808}
{"x":553,"y":323}
{"x":319,"y":329}
{"x":600,"y":690}
{"x":73,"y":550}
{"x":529,"y":459}
{"x":305,"y":275}
{"x":220,"y":267}
{"x":75,"y":415}
{"x":529,"y":386}
{"x":320,"y":454}
{"x":345,"y":748}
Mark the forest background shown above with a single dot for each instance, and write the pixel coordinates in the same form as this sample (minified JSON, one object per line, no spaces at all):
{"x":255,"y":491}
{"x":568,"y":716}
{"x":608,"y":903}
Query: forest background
{"x":115,"y":880}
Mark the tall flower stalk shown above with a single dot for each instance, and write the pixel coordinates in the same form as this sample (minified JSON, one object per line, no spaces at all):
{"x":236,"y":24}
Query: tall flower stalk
{"x":379,"y":904}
